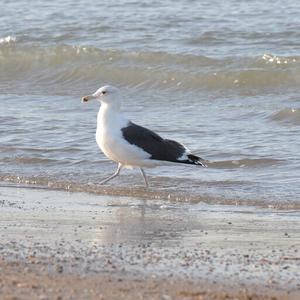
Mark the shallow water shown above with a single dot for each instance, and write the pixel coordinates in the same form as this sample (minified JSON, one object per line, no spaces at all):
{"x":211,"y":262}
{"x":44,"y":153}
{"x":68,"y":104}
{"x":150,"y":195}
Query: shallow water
{"x":222,"y":78}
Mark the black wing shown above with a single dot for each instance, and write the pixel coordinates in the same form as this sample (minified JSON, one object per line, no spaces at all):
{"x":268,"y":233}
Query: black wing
{"x":156,"y":146}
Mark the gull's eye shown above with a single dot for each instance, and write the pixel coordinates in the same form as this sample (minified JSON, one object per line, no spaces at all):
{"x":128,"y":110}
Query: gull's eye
{"x":104,"y":92}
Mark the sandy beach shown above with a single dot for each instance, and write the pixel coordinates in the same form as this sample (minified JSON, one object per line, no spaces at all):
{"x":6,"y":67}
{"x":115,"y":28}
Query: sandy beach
{"x":60,"y":245}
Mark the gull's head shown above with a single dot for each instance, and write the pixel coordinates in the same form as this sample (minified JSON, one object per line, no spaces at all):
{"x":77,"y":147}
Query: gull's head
{"x":107,"y":94}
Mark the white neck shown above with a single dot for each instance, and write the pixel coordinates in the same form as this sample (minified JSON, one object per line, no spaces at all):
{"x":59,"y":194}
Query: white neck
{"x":110,"y":117}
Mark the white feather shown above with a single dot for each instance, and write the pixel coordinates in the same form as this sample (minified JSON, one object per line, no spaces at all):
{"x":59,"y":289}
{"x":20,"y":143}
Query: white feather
{"x":109,"y":138}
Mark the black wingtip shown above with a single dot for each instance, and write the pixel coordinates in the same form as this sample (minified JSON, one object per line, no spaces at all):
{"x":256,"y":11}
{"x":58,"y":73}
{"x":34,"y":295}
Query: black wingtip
{"x":197,"y":160}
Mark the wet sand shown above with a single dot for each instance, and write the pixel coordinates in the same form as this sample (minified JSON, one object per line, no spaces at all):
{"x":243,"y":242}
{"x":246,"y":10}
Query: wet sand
{"x":59,"y":245}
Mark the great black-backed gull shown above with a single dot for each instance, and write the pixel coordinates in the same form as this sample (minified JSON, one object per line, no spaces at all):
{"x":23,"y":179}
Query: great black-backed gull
{"x":131,"y":145}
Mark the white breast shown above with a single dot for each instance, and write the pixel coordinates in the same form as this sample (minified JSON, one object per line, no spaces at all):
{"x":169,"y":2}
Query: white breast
{"x":110,"y":139}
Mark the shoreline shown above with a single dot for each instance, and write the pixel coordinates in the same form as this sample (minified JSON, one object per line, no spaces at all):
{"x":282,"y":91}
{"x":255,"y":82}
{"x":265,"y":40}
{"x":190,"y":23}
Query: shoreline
{"x":140,"y":192}
{"x":155,"y":247}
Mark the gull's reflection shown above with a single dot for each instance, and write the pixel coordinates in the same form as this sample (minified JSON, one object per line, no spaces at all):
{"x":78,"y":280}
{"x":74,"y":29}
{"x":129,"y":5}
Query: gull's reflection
{"x":139,"y":221}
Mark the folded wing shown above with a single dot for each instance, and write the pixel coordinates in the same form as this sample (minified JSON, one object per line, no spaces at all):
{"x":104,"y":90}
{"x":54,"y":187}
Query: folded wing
{"x":157,"y":147}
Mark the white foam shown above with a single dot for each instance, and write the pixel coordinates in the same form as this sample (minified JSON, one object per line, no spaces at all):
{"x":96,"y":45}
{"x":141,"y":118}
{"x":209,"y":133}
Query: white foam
{"x":8,"y":39}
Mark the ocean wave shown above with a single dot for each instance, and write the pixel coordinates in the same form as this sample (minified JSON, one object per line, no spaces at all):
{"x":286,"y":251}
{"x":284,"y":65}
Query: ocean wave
{"x":279,"y":60}
{"x":39,"y":150}
{"x":244,"y":163}
{"x":63,"y":66}
{"x":287,"y":115}
{"x":176,"y":194}
{"x":8,"y":40}
{"x":29,"y":160}
{"x":113,"y":190}
{"x":220,"y":37}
